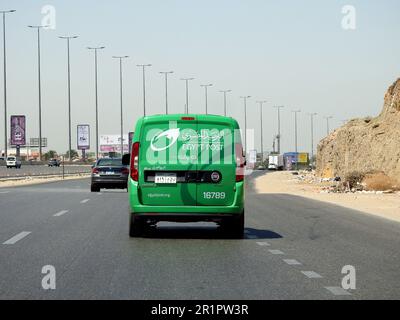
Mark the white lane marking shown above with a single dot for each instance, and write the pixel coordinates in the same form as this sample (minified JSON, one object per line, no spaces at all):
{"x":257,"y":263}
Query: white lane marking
{"x":4,"y":192}
{"x":292,"y":262}
{"x":263,"y":244}
{"x":338,"y":291}
{"x":311,"y":274}
{"x":59,"y":214}
{"x":84,"y":201}
{"x":276,"y":251}
{"x":17,"y":237}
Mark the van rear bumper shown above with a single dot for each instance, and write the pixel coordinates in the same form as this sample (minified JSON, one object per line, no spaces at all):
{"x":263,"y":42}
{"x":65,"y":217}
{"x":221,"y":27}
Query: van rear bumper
{"x":185,"y":217}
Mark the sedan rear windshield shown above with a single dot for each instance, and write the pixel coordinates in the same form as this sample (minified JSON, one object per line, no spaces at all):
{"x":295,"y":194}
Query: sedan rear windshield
{"x":11,"y":159}
{"x":109,"y":162}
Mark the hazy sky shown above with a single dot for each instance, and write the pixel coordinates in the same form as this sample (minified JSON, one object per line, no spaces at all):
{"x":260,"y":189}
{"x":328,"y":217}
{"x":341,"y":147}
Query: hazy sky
{"x":291,"y":53}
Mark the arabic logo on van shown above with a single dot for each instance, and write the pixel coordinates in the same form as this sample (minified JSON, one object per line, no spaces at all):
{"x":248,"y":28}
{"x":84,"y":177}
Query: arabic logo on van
{"x":172,"y":135}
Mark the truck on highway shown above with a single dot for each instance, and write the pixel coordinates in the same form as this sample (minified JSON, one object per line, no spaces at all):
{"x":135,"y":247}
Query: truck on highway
{"x":275,"y":162}
{"x":186,"y":168}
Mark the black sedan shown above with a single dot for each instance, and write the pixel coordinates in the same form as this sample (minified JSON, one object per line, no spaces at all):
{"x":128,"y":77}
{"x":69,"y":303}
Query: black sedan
{"x":109,"y":174}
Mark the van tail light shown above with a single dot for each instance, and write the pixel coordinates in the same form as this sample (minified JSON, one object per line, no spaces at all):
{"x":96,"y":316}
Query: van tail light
{"x":239,"y":162}
{"x":95,"y":171}
{"x":135,"y":161}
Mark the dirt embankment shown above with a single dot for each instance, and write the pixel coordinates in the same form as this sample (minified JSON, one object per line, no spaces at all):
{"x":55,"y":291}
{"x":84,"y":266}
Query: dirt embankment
{"x":365,"y":145}
{"x":308,"y":186}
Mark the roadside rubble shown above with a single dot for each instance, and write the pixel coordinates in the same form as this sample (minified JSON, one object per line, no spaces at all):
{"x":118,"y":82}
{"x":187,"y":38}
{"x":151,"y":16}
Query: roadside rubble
{"x":337,"y":185}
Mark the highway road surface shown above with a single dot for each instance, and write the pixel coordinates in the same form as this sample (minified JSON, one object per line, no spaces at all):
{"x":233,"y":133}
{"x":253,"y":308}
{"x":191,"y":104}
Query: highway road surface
{"x":294,"y":248}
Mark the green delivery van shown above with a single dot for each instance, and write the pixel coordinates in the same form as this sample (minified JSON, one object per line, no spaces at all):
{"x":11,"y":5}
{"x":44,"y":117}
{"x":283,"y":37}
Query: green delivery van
{"x":186,"y":168}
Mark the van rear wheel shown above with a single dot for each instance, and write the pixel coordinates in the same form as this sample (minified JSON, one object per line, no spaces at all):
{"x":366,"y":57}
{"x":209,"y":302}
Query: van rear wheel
{"x":136,"y":226}
{"x":234,"y":227}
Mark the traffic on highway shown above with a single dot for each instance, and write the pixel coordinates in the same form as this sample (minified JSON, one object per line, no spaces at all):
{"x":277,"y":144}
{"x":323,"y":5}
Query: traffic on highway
{"x":192,"y":159}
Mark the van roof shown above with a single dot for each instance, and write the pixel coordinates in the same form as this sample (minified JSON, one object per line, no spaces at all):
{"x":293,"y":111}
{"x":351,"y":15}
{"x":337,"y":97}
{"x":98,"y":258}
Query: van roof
{"x":197,"y":117}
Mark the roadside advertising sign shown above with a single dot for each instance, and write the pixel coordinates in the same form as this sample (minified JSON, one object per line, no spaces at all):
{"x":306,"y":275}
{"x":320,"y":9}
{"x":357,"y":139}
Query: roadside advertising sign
{"x":83,"y":137}
{"x":302,"y":158}
{"x":18,"y":130}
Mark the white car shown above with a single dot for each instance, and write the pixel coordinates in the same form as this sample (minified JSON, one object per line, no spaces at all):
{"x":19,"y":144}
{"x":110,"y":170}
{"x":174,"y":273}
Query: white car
{"x":13,"y":162}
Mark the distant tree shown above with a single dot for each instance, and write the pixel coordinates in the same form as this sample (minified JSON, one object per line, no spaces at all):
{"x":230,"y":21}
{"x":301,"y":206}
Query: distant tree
{"x":74,"y":154}
{"x":50,"y":154}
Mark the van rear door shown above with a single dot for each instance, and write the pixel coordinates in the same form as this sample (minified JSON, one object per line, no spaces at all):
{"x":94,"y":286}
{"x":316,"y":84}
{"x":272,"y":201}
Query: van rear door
{"x":217,"y":163}
{"x":168,"y":161}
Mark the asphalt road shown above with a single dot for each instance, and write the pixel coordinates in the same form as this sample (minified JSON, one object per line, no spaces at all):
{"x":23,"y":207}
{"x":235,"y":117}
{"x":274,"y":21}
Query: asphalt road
{"x":294,"y":248}
{"x":38,"y":170}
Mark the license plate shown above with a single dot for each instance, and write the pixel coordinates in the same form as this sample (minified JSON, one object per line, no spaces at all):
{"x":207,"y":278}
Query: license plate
{"x":166,"y":178}
{"x":109,"y":173}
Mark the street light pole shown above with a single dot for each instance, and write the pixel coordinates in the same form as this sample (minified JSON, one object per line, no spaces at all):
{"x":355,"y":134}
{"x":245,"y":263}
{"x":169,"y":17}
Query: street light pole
{"x":166,"y":73}
{"x":97,"y":97}
{"x":245,"y":121}
{"x":40,"y":89}
{"x":68,"y":38}
{"x":295,"y":135}
{"x":206,"y":86}
{"x":5,"y":80}
{"x":143,"y":66}
{"x":312,"y":137}
{"x":327,"y":125}
{"x":187,"y":93}
{"x":262,"y":131}
{"x":225,"y":92}
{"x":279,"y":127}
{"x":121,"y":100}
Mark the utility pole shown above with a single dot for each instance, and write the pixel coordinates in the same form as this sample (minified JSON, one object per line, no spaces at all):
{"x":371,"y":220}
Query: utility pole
{"x":278,"y":137}
{"x":206,"y":86}
{"x":5,"y":81}
{"x":166,"y":89}
{"x":295,"y":135}
{"x":95,"y":49}
{"x":143,"y":66}
{"x":187,"y":93}
{"x":262,"y":131}
{"x":39,"y":87}
{"x":225,"y":92}
{"x":328,"y":131}
{"x":68,"y":38}
{"x":245,"y":121}
{"x":312,"y":115}
{"x":121,"y":100}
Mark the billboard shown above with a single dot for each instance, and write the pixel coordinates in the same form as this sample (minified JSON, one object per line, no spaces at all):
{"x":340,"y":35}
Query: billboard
{"x":112,"y":143}
{"x":18,"y":132}
{"x":34,"y":142}
{"x":83,"y":137}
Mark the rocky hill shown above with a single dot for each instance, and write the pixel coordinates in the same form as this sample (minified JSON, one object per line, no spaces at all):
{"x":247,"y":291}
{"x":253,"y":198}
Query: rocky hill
{"x":365,"y":145}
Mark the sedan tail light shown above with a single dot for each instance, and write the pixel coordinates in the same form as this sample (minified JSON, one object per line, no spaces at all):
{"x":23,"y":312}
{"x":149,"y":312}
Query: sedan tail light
{"x":135,"y":161}
{"x":95,"y":170}
{"x":125,"y":171}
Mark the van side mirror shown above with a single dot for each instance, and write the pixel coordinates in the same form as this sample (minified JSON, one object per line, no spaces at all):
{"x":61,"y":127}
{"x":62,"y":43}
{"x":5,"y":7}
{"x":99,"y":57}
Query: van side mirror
{"x":126,"y":159}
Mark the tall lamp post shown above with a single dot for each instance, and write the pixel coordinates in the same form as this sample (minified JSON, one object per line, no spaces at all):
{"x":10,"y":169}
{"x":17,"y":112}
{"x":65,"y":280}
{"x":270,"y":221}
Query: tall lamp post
{"x":38,"y":28}
{"x":295,"y":135}
{"x":279,"y":128}
{"x":245,"y":120}
{"x":143,"y":66}
{"x":120,"y":58}
{"x":187,"y":93}
{"x":262,"y":131}
{"x":328,"y":130}
{"x":95,"y":49}
{"x":166,"y":73}
{"x":225,"y":92}
{"x":312,"y":115}
{"x":206,"y":86}
{"x":5,"y":80}
{"x":68,"y":38}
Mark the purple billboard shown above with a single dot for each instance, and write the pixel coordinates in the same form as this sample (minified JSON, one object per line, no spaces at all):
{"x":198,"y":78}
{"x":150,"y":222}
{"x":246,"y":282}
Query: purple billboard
{"x":18,"y":133}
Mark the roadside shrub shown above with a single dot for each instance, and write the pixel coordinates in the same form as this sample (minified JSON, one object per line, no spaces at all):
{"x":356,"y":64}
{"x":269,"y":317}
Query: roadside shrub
{"x":354,"y":179}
